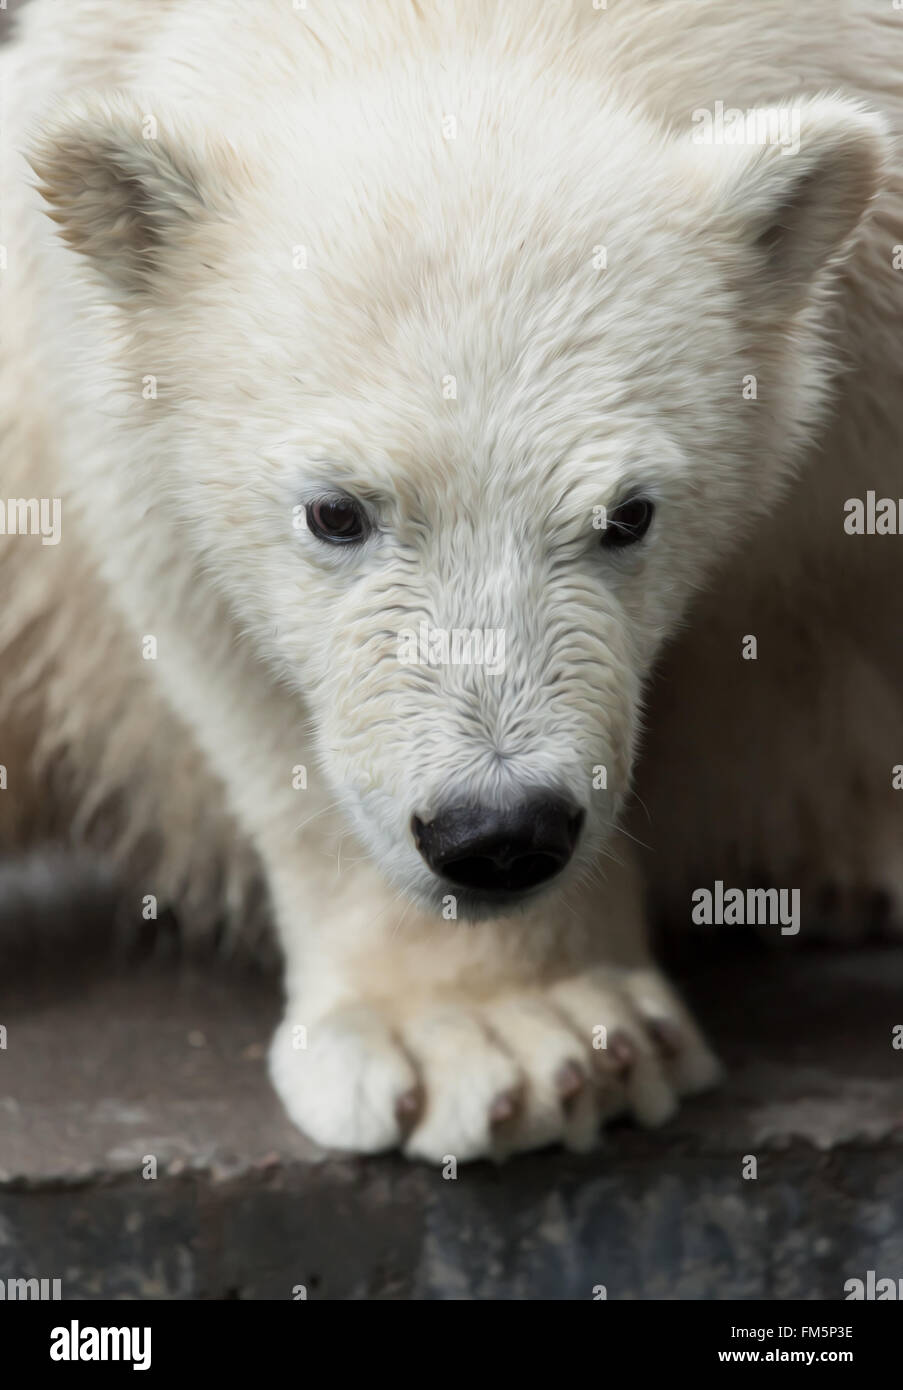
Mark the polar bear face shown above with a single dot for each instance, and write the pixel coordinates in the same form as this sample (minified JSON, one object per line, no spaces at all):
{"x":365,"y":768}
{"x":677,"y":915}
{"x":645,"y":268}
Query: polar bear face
{"x":458,"y":426}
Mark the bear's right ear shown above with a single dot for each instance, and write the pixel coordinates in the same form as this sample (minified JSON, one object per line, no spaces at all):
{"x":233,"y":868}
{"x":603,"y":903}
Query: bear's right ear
{"x":123,"y":185}
{"x":795,"y":203}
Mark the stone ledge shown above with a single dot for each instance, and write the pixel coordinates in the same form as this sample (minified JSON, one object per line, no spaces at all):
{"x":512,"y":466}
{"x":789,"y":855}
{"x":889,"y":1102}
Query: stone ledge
{"x":104,"y":1068}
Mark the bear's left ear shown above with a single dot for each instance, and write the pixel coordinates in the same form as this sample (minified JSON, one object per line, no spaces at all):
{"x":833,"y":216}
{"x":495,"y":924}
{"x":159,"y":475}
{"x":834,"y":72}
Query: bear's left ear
{"x":125,"y":185}
{"x":795,"y":200}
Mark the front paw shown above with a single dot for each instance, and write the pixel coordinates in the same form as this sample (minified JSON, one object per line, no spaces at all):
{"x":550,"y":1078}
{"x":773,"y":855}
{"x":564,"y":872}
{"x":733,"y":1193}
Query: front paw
{"x":485,"y":1078}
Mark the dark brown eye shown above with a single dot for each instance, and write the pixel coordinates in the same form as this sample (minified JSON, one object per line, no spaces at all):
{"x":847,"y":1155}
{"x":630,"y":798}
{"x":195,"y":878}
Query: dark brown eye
{"x":628,"y":523}
{"x":339,"y":520}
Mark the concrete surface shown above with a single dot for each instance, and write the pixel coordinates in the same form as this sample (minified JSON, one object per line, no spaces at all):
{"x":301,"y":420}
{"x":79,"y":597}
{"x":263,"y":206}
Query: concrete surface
{"x":107,"y":1067}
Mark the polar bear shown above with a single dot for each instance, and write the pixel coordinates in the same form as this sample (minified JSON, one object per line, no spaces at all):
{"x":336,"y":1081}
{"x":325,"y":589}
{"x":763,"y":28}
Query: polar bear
{"x":444,"y":403}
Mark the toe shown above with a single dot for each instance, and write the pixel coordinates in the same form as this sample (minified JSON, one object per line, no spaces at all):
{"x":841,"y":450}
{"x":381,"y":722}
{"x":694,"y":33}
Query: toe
{"x":560,"y":1103}
{"x":628,"y":1064}
{"x":351,"y":1086}
{"x":685,"y":1055}
{"x":472,"y":1088}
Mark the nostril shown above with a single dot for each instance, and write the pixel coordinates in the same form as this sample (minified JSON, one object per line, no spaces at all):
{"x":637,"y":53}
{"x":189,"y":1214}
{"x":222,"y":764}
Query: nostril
{"x":503,"y":873}
{"x":500,"y":849}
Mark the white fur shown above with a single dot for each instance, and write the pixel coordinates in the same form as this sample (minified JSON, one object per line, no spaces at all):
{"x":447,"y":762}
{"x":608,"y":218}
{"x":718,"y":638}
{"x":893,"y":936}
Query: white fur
{"x":430,"y":258}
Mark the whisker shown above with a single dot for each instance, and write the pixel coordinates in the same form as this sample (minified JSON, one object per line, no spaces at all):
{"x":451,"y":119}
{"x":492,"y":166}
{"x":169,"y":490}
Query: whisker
{"x":316,"y":815}
{"x":642,"y":844}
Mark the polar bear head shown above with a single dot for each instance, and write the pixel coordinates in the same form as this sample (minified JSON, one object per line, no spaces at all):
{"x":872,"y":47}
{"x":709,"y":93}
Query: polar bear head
{"x":457,"y":413}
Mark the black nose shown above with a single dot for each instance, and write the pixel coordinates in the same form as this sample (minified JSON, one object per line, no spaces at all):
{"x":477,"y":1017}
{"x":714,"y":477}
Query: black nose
{"x":500,"y":849}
